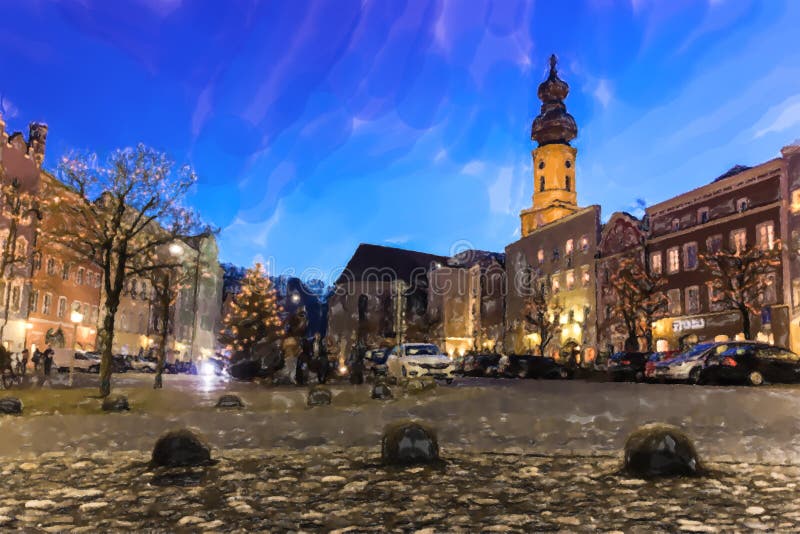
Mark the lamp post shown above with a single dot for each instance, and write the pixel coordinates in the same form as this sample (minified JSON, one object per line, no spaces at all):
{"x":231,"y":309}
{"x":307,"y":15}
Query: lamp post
{"x":76,"y":317}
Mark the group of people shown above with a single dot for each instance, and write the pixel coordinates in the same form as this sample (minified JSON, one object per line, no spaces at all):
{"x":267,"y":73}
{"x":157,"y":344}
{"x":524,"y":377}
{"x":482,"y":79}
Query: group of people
{"x":314,"y":356}
{"x":18,"y":362}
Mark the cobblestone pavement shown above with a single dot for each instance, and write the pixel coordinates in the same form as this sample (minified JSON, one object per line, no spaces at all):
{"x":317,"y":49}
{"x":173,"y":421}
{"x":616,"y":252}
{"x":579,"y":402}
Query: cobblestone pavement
{"x":347,"y":490}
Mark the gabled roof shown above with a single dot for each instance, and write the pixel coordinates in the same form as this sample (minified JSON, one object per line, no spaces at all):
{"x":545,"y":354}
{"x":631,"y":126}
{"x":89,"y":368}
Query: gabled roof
{"x":736,"y":169}
{"x":387,"y":263}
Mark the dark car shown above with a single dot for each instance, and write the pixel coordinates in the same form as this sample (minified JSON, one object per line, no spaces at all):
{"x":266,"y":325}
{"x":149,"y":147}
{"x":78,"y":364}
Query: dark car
{"x":753,"y":364}
{"x":539,"y":367}
{"x":627,"y":366}
{"x":481,"y":365}
{"x":375,"y":362}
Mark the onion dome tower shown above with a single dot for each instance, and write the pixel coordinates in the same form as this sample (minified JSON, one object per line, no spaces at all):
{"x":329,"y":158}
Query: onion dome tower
{"x":554,"y":194}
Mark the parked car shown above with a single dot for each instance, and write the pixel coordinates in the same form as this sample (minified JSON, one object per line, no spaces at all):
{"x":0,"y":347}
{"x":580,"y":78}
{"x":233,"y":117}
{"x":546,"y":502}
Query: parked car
{"x":481,"y":365}
{"x":144,"y":364}
{"x":548,"y":368}
{"x":655,"y":359}
{"x":419,"y":359}
{"x":66,"y":359}
{"x":753,"y":364}
{"x":375,"y":362}
{"x":627,"y":366}
{"x":689,"y":366}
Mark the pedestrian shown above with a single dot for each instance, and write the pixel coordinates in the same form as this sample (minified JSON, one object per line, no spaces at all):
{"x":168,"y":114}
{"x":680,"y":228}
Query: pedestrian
{"x":356,"y":362}
{"x":302,"y":363}
{"x":37,"y":359}
{"x":24,"y":361}
{"x":47,"y":356}
{"x":320,"y":355}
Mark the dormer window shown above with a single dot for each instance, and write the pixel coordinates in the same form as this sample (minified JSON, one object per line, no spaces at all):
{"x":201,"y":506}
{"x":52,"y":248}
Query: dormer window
{"x":676,"y":225}
{"x":742,"y":204}
{"x":702,"y":215}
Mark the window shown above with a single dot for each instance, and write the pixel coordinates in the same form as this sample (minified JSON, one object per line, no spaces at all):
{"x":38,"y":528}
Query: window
{"x":765,"y":235}
{"x":62,"y":307}
{"x":676,"y":225}
{"x":85,"y":313}
{"x":79,"y":276}
{"x":674,"y":298}
{"x":540,"y":256}
{"x":556,"y":254}
{"x":48,"y":300}
{"x":144,"y":292}
{"x":567,"y":184}
{"x":738,"y":240}
{"x":690,"y":256}
{"x":51,"y":266}
{"x":541,"y":183}
{"x":795,"y":200}
{"x":769,"y":296}
{"x":556,"y":285}
{"x":742,"y":204}
{"x":134,"y":287}
{"x":97,"y":279}
{"x":693,"y":299}
{"x":702,"y":215}
{"x":585,"y":243}
{"x":22,"y":247}
{"x":714,"y":243}
{"x":568,"y":248}
{"x":65,"y":271}
{"x":673,"y":261}
{"x":90,"y":278}
{"x":363,"y":300}
{"x":15,"y":298}
{"x":568,"y":164}
{"x":34,"y":306}
{"x":37,"y":261}
{"x":655,"y":262}
{"x":714,"y":299}
{"x":585,"y":277}
{"x":541,"y":164}
{"x":570,"y":280}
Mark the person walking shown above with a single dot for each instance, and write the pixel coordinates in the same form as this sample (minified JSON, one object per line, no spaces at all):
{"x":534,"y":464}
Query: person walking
{"x":302,"y":363}
{"x":320,"y":355}
{"x":47,"y":356}
{"x":356,"y":362}
{"x":25,"y":358}
{"x":37,"y":359}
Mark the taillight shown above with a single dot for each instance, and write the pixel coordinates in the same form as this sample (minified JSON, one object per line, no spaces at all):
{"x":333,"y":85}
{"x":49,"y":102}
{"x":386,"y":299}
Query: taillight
{"x":625,"y":362}
{"x":730,"y":362}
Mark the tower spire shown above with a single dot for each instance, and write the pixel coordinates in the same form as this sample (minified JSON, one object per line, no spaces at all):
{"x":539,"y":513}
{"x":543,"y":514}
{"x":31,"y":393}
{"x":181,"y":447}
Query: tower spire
{"x":553,"y":124}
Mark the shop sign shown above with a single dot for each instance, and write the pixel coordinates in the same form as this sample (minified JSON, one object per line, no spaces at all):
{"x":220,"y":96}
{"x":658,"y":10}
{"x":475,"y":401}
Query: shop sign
{"x":682,"y":325}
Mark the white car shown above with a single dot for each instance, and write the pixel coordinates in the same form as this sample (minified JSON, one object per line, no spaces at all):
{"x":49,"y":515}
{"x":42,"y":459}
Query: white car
{"x":420,"y":359}
{"x":63,"y":359}
{"x":144,"y":364}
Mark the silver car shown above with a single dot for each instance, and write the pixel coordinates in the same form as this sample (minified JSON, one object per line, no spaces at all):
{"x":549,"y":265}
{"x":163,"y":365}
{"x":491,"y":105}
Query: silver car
{"x":688,"y":366}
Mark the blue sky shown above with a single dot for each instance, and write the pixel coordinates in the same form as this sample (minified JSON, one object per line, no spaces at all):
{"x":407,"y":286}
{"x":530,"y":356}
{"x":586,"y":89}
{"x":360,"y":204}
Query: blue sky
{"x":317,"y":125}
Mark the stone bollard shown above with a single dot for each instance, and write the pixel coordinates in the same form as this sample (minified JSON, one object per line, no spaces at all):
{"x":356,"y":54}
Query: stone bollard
{"x":181,"y":448}
{"x":117,"y":403}
{"x":419,"y":385}
{"x":660,"y":450}
{"x":230,"y":401}
{"x":10,"y":406}
{"x":409,"y":442}
{"x":381,"y":391}
{"x":319,"y":396}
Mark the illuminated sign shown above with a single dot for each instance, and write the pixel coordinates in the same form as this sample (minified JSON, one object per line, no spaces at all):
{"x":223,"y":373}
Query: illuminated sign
{"x":683,"y":325}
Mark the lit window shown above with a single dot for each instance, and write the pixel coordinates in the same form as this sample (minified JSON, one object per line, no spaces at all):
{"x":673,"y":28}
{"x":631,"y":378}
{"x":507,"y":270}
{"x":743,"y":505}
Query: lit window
{"x":738,"y":240}
{"x":702,"y":215}
{"x":585,"y":277}
{"x":673,"y":260}
{"x":556,"y":284}
{"x":570,"y":280}
{"x":674,"y":298}
{"x":568,"y":247}
{"x":693,"y":299}
{"x":796,"y":200}
{"x":655,"y":262}
{"x":585,"y":243}
{"x":690,"y":256}
{"x":540,"y":256}
{"x":796,"y":292}
{"x":765,"y":234}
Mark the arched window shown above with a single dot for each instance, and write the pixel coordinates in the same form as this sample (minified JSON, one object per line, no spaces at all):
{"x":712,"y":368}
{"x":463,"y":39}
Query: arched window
{"x":567,"y":184}
{"x":541,"y":183}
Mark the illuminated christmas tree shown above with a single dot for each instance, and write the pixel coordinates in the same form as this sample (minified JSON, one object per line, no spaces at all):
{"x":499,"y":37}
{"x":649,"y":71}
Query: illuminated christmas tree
{"x":254,"y":313}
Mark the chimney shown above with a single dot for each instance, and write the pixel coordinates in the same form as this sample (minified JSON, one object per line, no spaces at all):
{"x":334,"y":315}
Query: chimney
{"x":37,"y":138}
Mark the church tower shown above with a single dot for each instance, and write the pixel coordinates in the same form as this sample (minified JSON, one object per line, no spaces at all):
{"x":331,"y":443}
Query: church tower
{"x":554,"y":194}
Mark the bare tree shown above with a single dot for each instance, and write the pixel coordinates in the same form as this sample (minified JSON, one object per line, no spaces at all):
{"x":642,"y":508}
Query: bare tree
{"x":740,"y":278}
{"x":119,"y":215}
{"x":17,"y":206}
{"x":639,"y":299}
{"x":542,"y":311}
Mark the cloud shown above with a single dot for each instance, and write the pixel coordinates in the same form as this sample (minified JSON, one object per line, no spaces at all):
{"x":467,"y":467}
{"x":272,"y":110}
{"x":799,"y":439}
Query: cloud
{"x":397,"y":240}
{"x":473,"y":168}
{"x":7,"y":108}
{"x":500,"y":198}
{"x":255,"y":233}
{"x":602,"y":93}
{"x":779,"y":118}
{"x":202,"y":110}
